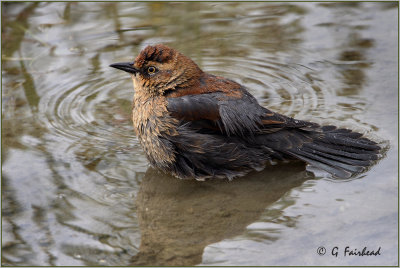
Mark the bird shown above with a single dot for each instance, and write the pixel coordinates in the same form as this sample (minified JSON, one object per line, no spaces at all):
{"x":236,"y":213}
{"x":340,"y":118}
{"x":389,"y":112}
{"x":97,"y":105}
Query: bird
{"x":196,"y":125}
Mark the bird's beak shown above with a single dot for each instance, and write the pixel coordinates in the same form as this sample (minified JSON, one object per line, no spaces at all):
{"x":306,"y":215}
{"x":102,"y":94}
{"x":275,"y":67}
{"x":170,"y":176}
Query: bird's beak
{"x":125,"y":66}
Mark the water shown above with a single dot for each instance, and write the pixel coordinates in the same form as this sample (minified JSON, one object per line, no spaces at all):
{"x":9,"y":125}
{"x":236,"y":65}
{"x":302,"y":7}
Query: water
{"x":76,"y":186}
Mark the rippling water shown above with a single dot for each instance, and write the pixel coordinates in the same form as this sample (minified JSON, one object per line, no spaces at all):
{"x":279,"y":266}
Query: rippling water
{"x":76,"y":186}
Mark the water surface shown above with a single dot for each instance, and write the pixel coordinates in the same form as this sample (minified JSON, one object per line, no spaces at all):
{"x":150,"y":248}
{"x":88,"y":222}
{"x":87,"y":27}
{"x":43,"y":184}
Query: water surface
{"x":77,"y":188}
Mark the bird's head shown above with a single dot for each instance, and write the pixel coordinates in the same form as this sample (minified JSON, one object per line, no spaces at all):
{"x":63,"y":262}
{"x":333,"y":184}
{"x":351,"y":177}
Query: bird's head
{"x":160,"y":69}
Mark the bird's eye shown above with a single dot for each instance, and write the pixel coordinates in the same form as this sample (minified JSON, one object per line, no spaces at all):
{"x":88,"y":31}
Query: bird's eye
{"x":151,"y":70}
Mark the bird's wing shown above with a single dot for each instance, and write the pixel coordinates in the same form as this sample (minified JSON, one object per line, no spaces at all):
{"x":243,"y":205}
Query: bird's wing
{"x":232,"y":115}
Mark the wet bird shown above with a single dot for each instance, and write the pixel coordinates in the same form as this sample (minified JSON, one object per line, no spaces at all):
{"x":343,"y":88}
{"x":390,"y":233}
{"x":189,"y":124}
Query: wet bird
{"x":193,"y":124}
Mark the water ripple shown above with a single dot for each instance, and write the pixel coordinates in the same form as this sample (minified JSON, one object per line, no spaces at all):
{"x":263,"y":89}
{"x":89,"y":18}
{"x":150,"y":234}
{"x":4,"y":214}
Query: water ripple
{"x":95,"y":107}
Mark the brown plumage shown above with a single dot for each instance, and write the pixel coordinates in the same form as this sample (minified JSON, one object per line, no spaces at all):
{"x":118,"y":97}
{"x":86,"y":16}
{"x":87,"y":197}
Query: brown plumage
{"x":197,"y":125}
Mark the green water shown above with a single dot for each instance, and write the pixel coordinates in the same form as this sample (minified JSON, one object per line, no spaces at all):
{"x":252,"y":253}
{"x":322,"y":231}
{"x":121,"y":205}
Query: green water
{"x":77,"y":188}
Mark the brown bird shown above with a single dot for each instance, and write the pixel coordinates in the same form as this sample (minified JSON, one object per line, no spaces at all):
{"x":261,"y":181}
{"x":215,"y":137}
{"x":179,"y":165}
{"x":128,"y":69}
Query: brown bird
{"x":198,"y":125}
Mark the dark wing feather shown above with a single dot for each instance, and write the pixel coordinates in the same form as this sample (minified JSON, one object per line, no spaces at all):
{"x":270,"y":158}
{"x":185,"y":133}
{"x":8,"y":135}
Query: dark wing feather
{"x":194,"y":107}
{"x":234,"y":116}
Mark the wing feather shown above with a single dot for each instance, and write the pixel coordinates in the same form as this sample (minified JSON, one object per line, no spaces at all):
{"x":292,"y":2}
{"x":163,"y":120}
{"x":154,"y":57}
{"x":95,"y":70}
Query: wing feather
{"x":233,"y":116}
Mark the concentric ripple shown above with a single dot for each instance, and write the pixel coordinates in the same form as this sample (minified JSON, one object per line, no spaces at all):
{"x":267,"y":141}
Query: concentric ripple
{"x":288,"y":88}
{"x":90,"y":120}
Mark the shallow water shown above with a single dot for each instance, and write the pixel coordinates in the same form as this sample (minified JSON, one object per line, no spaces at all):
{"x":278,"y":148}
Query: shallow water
{"x":77,"y":188}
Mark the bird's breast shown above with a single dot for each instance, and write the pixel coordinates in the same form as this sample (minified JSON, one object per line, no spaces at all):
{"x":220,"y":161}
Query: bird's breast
{"x":154,"y":126}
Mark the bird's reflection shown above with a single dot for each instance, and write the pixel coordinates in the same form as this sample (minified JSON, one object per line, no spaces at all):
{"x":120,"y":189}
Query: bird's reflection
{"x":178,"y":218}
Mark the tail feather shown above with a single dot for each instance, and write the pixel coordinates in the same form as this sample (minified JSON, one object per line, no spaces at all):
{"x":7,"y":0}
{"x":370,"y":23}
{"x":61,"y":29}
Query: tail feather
{"x":347,"y":149}
{"x":345,"y":132}
{"x":339,"y":158}
{"x":358,"y":154}
{"x":347,"y":140}
{"x":329,"y":161}
{"x":337,"y":172}
{"x":341,"y":152}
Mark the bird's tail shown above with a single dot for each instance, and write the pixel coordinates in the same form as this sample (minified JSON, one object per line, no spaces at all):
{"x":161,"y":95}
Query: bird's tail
{"x":341,"y":152}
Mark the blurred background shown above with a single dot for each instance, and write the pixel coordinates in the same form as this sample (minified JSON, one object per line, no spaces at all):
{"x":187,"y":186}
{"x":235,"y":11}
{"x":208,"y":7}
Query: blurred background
{"x":77,"y":188}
